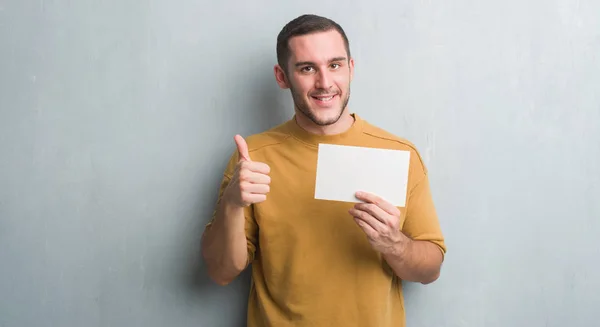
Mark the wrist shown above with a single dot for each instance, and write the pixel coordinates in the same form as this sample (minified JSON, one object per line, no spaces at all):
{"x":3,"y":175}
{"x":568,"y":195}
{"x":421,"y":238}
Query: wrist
{"x":401,"y":247}
{"x":230,"y":207}
{"x":229,"y":202}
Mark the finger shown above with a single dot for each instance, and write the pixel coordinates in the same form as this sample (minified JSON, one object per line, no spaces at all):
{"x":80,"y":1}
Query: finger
{"x":251,"y":166}
{"x":242,"y":147}
{"x":366,"y":218}
{"x":254,"y":198}
{"x":367,"y":229}
{"x":375,"y":211}
{"x":378,"y":201}
{"x":252,"y":188}
{"x":256,"y":167}
{"x":256,"y":178}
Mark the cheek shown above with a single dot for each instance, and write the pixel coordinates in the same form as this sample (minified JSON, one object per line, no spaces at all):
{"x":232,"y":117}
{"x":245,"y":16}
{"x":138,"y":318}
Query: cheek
{"x":297,"y":90}
{"x":343,"y":82}
{"x":302,"y":84}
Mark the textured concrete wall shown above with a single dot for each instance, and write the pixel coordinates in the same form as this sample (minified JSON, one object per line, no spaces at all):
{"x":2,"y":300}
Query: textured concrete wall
{"x":117,"y":117}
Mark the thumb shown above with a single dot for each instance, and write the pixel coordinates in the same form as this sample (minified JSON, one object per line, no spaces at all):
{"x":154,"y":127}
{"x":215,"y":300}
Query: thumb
{"x":242,"y":148}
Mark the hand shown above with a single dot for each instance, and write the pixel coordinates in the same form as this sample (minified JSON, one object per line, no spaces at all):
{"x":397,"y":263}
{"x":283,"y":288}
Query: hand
{"x":380,"y":221}
{"x":250,"y":181}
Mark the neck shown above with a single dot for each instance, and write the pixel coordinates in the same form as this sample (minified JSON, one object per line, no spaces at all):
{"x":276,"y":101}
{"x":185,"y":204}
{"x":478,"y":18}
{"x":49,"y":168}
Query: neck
{"x":343,"y":124}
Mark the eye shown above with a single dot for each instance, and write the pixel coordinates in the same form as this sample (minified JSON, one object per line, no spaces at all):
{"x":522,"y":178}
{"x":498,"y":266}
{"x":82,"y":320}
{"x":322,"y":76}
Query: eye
{"x":335,"y":66}
{"x":307,"y":69}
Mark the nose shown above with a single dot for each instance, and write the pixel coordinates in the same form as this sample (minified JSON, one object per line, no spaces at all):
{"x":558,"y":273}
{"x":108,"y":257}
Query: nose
{"x":324,"y":80}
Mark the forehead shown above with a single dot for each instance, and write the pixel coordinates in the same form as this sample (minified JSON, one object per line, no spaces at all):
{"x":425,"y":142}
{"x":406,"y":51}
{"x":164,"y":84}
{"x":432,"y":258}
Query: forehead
{"x":317,"y":47}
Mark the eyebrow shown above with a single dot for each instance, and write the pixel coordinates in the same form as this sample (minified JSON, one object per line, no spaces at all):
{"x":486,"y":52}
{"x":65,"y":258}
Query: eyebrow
{"x":304,"y":63}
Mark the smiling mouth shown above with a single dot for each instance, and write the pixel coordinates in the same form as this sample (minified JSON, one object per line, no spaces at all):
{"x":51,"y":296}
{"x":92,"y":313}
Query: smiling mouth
{"x":324,"y":98}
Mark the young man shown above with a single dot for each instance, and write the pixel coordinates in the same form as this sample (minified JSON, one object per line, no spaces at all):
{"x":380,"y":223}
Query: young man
{"x":316,"y":262}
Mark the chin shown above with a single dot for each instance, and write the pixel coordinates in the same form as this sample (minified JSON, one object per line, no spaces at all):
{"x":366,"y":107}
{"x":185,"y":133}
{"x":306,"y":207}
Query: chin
{"x":326,"y":118}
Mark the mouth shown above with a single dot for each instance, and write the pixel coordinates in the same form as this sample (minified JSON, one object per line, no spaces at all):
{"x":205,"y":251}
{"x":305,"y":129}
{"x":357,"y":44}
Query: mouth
{"x":324,"y":99}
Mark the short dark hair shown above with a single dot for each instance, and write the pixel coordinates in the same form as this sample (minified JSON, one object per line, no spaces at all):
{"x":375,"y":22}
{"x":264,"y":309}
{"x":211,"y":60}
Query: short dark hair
{"x":303,"y":25}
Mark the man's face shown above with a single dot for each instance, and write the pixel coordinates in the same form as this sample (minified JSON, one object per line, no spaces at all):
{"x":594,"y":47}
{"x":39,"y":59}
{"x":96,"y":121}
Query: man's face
{"x":318,"y":74}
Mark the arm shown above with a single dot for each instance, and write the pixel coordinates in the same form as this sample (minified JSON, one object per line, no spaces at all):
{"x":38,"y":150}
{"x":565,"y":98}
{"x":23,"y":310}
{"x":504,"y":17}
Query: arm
{"x":415,"y":251}
{"x":416,"y":261}
{"x":228,"y":242}
{"x":224,"y":246}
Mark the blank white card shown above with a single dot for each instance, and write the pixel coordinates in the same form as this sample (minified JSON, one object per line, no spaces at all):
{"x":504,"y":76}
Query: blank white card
{"x":343,"y":170}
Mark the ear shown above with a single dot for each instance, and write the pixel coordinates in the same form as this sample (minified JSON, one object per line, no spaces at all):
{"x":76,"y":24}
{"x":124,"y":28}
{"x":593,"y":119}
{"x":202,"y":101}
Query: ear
{"x":280,"y":77}
{"x":351,"y":65}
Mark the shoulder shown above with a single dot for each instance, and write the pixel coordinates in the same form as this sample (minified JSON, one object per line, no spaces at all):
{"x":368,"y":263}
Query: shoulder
{"x":266,"y":139}
{"x":258,"y":144}
{"x":393,"y":141}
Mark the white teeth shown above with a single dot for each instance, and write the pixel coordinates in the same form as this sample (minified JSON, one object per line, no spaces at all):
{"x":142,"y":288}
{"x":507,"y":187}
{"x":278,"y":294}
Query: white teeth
{"x":325,"y":99}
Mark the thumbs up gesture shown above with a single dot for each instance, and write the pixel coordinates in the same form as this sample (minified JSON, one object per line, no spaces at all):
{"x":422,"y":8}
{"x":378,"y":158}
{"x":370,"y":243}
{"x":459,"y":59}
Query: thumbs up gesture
{"x":250,"y":181}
